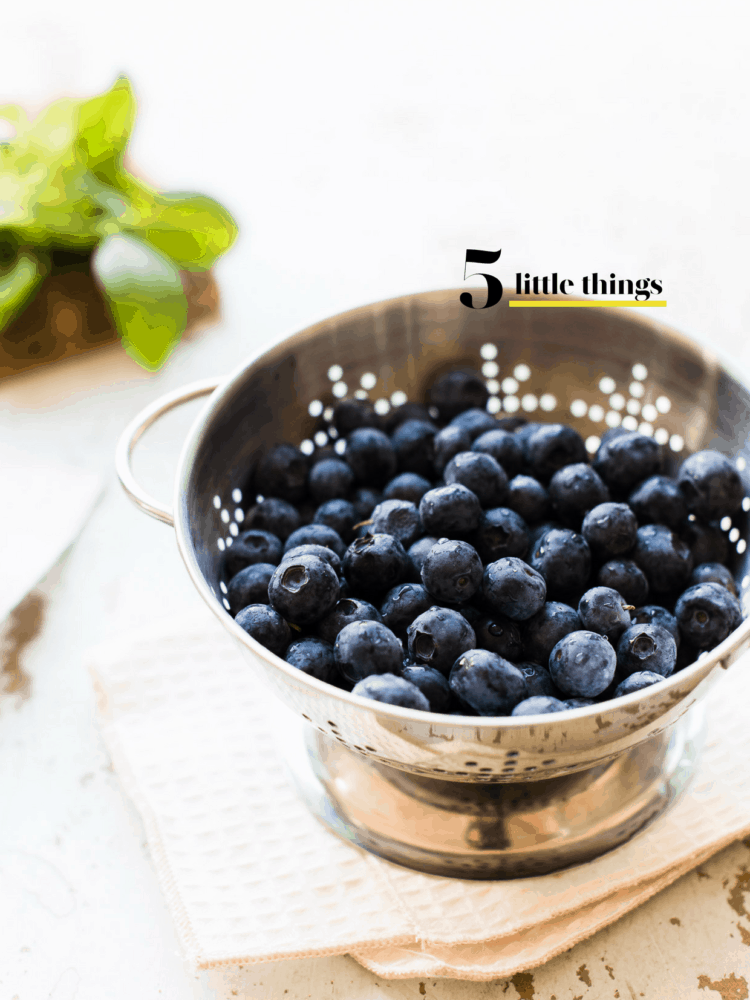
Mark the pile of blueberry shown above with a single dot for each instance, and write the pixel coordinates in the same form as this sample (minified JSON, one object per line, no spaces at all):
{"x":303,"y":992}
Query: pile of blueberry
{"x":453,"y":562}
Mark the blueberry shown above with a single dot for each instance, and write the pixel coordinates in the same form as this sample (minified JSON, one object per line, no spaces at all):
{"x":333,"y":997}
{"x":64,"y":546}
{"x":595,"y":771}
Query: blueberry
{"x":249,"y":548}
{"x":249,"y":586}
{"x":513,"y":589}
{"x":282,"y":472}
{"x":527,"y":497}
{"x":626,"y":578}
{"x":523,"y":435}
{"x":511,"y":424}
{"x":266,"y":626}
{"x":458,"y":391}
{"x":504,"y":448}
{"x":401,"y":606}
{"x":347,"y":610}
{"x":711,"y":485}
{"x":413,"y":444}
{"x":487,"y":683}
{"x":637,"y":682}
{"x":578,"y":702}
{"x":474,"y":422}
{"x":480,"y":473}
{"x":304,"y":589}
{"x":407,"y":411}
{"x":316,"y":534}
{"x":322,"y":455}
{"x":546,"y":628}
{"x":539,"y":704}
{"x":646,"y":647}
{"x":321,"y":551}
{"x":392,"y":690}
{"x":707,"y":543}
{"x":538,"y":680}
{"x":449,"y":511}
{"x":437,"y":638}
{"x":313,"y":657}
{"x":375,"y":563}
{"x":273,"y":515}
{"x":370,"y":455}
{"x":658,"y":500}
{"x":407,"y":486}
{"x":501,"y":533}
{"x":654,"y":614}
{"x":613,"y":432}
{"x":350,"y":414}
{"x":449,"y":442}
{"x":602,"y":610}
{"x":714,"y":573}
{"x":625,"y":460}
{"x":364,"y":501}
{"x":551,"y":447}
{"x":339,"y":515}
{"x":363,"y":648}
{"x":452,"y":571}
{"x":574,"y":490}
{"x":329,"y":479}
{"x":583,"y":664}
{"x":536,"y":532}
{"x":564,"y":560}
{"x":706,"y":614}
{"x":418,"y":552}
{"x":500,"y":635}
{"x":664,"y":558}
{"x":399,"y":518}
{"x":433,"y":685}
{"x":610,"y":529}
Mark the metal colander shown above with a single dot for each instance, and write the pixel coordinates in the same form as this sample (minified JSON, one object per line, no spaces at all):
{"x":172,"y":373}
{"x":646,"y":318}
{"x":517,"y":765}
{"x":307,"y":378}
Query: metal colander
{"x":474,"y":797}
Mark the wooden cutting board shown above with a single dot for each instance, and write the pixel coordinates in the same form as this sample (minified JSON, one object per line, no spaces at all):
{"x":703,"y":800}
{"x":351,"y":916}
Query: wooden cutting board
{"x":68,"y":316}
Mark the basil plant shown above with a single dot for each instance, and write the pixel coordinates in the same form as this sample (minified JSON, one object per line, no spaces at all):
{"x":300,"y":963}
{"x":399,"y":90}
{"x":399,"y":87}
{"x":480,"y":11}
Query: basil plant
{"x":64,"y":187}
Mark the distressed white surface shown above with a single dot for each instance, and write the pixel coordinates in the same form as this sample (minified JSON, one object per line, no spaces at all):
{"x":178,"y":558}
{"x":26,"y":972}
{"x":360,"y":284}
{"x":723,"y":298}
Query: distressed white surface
{"x":362,"y":149}
{"x":43,"y":506}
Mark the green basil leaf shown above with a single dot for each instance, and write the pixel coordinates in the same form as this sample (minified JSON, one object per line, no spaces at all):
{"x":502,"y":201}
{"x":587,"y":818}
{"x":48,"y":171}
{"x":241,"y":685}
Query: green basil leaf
{"x":17,"y":285}
{"x":55,"y":177}
{"x":65,"y":207}
{"x":144,"y":200}
{"x":191,"y":229}
{"x":104,"y":126}
{"x":144,"y":293}
{"x":42,"y":182}
{"x":18,"y":191}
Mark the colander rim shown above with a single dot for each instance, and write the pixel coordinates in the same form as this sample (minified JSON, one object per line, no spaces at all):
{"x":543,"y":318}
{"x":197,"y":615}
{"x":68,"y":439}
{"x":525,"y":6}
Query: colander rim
{"x":706,"y":663}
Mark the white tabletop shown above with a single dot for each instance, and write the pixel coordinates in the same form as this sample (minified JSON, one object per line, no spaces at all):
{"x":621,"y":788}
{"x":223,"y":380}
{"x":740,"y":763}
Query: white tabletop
{"x":362,"y":150}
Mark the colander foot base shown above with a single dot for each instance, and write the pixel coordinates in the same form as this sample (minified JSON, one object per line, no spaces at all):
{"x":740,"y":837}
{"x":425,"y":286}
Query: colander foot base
{"x":492,"y":831}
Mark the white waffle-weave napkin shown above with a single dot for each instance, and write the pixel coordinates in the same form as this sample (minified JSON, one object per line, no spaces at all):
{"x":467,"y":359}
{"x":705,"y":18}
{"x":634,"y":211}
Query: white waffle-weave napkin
{"x":251,"y":876}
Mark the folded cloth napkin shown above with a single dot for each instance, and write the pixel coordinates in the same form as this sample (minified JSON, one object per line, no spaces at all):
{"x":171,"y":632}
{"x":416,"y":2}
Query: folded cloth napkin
{"x":43,"y":506}
{"x":251,"y":876}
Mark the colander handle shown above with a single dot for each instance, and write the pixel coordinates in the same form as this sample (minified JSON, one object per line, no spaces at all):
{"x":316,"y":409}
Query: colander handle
{"x":131,"y":434}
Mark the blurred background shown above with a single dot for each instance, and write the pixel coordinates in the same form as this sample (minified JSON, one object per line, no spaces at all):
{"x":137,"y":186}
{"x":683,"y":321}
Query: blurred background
{"x":361,"y":148}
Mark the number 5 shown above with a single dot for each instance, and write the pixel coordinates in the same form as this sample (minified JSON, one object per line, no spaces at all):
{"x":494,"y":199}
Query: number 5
{"x":494,"y":285}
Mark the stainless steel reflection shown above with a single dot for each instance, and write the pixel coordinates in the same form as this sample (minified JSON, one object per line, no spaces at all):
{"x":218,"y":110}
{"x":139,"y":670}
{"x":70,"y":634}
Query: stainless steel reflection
{"x":509,"y":830}
{"x":557,"y":362}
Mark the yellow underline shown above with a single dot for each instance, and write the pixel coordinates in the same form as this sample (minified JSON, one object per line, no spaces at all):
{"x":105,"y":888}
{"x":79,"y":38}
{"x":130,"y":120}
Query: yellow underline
{"x":577,"y":303}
